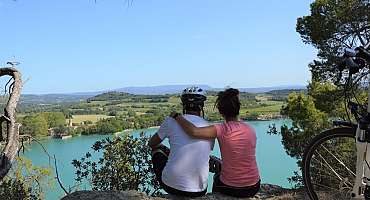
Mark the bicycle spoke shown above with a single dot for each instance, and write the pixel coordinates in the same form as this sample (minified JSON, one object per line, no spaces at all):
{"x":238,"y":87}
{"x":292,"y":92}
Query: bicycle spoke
{"x":326,"y":173}
{"x":331,"y":166}
{"x":339,"y":161}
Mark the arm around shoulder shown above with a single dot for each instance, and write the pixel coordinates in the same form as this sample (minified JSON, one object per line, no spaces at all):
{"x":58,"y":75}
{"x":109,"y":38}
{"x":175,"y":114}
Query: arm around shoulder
{"x":207,"y":132}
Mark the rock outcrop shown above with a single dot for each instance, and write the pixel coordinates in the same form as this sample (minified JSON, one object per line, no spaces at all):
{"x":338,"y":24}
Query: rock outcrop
{"x":268,"y":192}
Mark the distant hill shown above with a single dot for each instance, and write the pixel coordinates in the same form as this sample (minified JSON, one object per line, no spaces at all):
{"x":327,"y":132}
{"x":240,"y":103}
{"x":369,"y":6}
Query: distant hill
{"x":268,"y":89}
{"x":174,"y":89}
{"x":110,"y":96}
{"x":285,"y":92}
{"x":151,"y":90}
{"x":281,"y":95}
{"x":52,"y":98}
{"x":159,"y":90}
{"x":127,"y":97}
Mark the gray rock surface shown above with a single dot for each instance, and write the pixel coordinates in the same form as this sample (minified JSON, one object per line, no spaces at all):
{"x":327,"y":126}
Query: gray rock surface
{"x":268,"y":192}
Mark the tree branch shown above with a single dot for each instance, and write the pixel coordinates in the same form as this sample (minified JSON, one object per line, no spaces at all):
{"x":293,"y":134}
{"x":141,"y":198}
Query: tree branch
{"x":57,"y":176}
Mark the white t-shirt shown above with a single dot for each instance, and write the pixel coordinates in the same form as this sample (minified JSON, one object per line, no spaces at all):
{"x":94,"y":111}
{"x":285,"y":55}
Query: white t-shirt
{"x":187,"y":166}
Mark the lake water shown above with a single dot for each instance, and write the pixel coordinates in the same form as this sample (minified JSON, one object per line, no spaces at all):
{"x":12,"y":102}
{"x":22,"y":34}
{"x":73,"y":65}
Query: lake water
{"x":274,"y":164}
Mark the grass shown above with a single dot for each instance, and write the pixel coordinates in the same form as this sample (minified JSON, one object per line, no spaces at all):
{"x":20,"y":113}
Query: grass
{"x":174,"y":100}
{"x":275,"y":107}
{"x":93,"y":118}
{"x":262,"y":106}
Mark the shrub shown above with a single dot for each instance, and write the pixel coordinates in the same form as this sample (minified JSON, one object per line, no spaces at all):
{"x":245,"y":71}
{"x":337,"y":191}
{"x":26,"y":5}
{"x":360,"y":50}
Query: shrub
{"x":125,"y":165}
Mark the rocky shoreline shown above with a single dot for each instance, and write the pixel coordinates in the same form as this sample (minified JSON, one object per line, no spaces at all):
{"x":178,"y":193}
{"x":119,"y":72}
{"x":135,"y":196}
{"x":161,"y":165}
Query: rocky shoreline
{"x":267,"y":192}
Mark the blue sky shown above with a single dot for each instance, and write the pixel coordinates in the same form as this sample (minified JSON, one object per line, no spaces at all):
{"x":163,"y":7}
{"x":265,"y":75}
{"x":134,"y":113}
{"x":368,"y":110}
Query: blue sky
{"x":79,"y":45}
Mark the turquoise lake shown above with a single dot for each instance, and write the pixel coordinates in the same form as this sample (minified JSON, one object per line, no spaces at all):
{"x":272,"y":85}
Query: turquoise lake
{"x":274,"y":164}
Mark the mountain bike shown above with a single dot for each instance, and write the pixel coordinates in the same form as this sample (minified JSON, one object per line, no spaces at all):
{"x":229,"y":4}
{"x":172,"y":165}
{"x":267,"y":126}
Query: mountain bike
{"x":335,"y":163}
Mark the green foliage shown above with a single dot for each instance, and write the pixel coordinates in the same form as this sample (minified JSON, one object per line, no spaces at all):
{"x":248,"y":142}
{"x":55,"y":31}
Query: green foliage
{"x":311,"y":113}
{"x":67,"y":113}
{"x":120,"y":97}
{"x":302,"y":110}
{"x":25,"y":181}
{"x":87,"y":122}
{"x":125,"y":165}
{"x":131,"y":107}
{"x":120,"y":123}
{"x":137,"y":112}
{"x":14,"y":189}
{"x":332,"y":26}
{"x":326,"y":95}
{"x":131,"y":113}
{"x":109,"y":125}
{"x":282,"y":95}
{"x":307,"y":122}
{"x":38,"y":124}
{"x":54,"y":119}
{"x":104,"y":126}
{"x":110,"y":96}
{"x":61,"y":129}
{"x":251,"y":116}
{"x":32,"y":176}
{"x":148,"y":120}
{"x":35,"y":125}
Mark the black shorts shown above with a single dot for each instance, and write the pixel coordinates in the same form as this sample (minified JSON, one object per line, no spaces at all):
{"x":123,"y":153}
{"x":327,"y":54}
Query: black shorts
{"x":240,"y":192}
{"x":159,"y":160}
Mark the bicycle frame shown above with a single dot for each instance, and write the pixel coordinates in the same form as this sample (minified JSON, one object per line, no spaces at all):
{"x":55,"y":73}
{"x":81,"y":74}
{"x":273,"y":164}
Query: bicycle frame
{"x":362,"y":171}
{"x":362,"y":181}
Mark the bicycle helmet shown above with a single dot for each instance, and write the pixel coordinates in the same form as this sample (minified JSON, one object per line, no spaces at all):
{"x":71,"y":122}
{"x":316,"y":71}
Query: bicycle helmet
{"x":193,"y":98}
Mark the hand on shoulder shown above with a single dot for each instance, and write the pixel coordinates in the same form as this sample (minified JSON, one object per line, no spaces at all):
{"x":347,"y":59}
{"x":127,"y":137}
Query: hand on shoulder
{"x":174,"y":114}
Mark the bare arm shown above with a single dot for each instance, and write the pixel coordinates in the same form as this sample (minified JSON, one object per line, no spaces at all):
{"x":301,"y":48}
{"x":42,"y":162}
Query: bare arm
{"x":154,"y":141}
{"x":207,"y":132}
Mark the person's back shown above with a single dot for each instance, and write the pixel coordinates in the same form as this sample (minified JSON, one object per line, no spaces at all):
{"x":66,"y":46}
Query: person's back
{"x":183,"y":169}
{"x":187,"y":165}
{"x":237,"y":142}
{"x":239,"y":171}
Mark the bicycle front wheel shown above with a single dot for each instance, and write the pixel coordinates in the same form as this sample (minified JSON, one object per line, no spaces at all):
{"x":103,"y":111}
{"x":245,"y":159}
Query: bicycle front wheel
{"x":329,"y":164}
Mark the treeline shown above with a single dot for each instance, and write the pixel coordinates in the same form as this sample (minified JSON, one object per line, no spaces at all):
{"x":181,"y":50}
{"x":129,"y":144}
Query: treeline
{"x":37,"y":125}
{"x":120,"y":123}
{"x":116,"y":103}
{"x":126,"y":97}
{"x":242,"y":95}
{"x":282,"y":95}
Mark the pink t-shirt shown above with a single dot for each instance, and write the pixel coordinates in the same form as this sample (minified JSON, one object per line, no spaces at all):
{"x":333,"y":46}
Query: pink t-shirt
{"x":237,"y":142}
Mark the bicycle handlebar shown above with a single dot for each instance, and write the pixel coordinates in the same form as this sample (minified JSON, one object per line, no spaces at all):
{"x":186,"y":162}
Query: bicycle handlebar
{"x":355,"y":59}
{"x":367,"y":46}
{"x":351,"y":63}
{"x":350,"y":52}
{"x":363,"y":53}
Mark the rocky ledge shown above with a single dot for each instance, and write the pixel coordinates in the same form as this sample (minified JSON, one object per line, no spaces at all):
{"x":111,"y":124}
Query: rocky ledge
{"x":268,"y":192}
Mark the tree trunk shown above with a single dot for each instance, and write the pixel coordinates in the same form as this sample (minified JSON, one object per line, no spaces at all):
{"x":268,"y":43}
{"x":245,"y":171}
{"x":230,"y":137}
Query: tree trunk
{"x":12,"y":131}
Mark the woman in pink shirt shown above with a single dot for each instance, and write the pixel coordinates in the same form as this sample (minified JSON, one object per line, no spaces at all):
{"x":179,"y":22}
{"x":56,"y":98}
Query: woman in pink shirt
{"x":239,"y":175}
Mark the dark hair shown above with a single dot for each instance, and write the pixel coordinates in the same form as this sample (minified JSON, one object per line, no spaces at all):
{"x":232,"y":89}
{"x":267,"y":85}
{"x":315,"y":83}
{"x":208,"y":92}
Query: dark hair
{"x":228,"y":103}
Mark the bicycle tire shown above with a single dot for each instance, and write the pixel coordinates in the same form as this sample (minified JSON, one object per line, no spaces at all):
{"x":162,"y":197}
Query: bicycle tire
{"x":340,"y":132}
